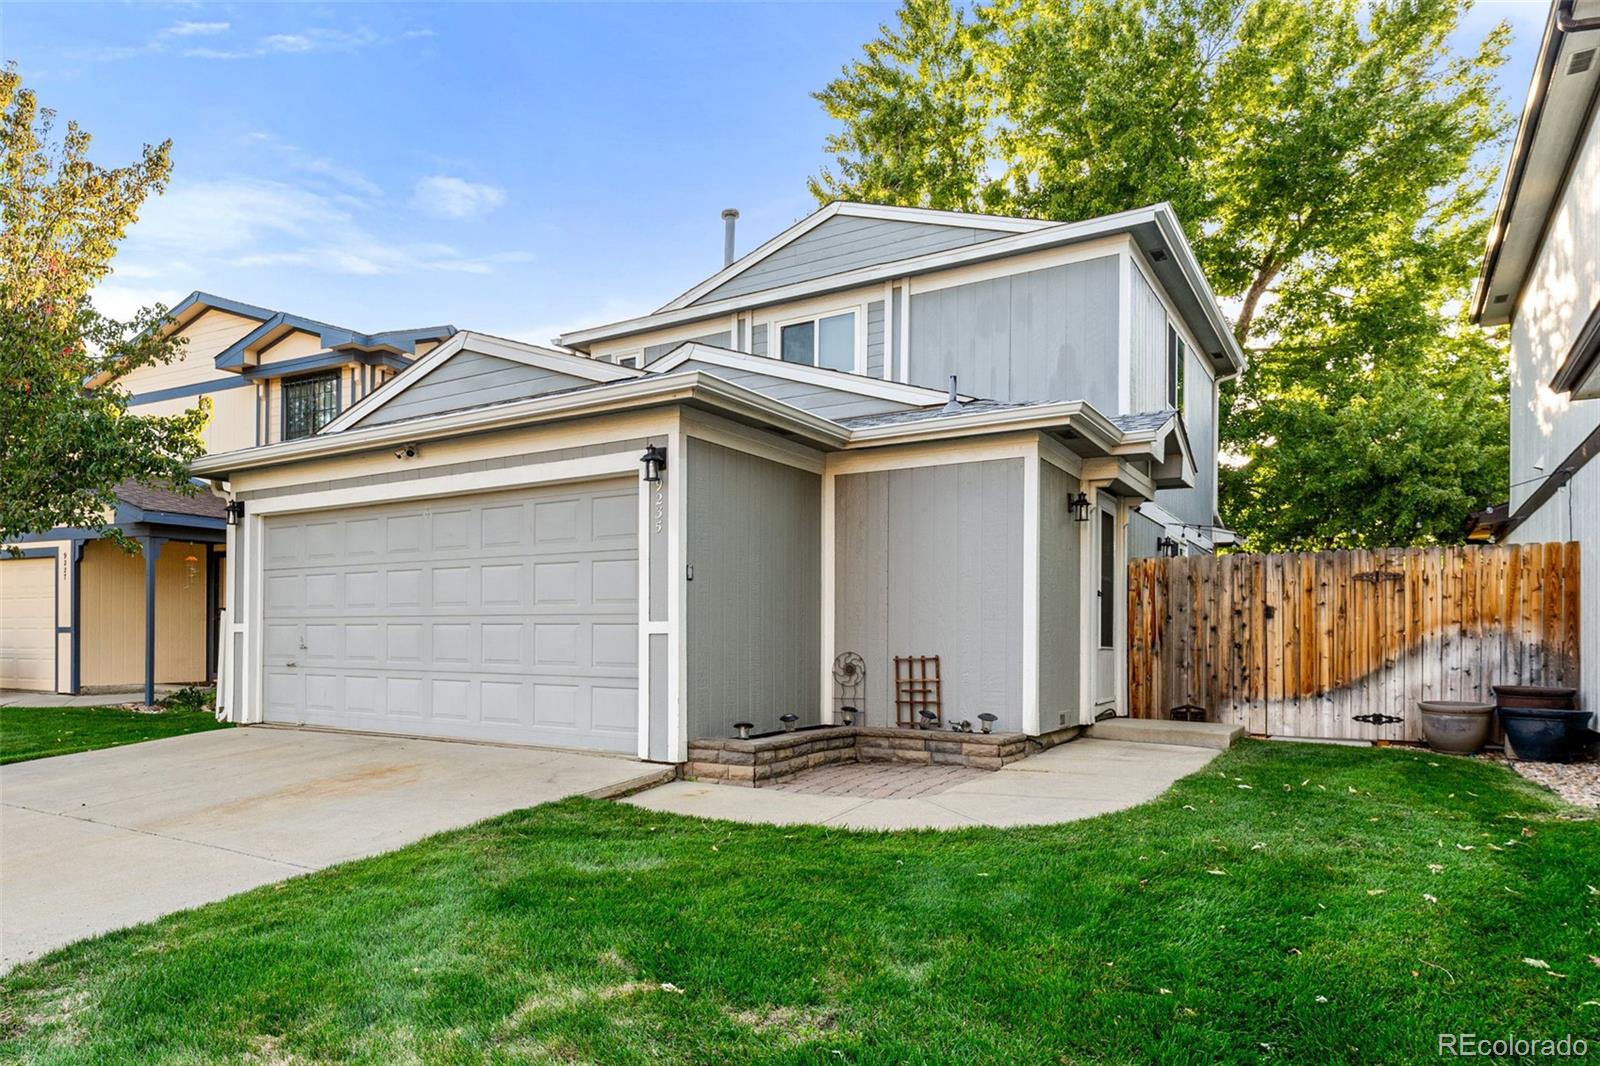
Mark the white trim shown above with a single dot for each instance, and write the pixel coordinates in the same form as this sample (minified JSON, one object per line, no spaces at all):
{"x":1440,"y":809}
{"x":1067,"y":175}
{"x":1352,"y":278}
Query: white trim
{"x":858,"y":354}
{"x":1059,"y":455}
{"x":856,"y":210}
{"x":1125,"y":327}
{"x":644,"y":620}
{"x":1030,"y":591}
{"x":1024,"y":263}
{"x":889,"y":314}
{"x":534,"y":355}
{"x":677,"y":596}
{"x":902,"y":371}
{"x":589,"y":468}
{"x":829,"y":594}
{"x":843,"y":381}
{"x":933,"y":453}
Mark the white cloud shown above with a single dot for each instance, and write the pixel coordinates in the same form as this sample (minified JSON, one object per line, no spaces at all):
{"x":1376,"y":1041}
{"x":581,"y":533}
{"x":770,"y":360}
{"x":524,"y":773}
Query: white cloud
{"x":195,"y":29}
{"x":121,"y":302}
{"x":454,"y":198}
{"x":257,"y":222}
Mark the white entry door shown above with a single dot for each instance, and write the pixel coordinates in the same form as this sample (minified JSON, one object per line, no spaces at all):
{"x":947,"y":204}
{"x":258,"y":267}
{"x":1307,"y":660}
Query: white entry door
{"x":510,"y":616}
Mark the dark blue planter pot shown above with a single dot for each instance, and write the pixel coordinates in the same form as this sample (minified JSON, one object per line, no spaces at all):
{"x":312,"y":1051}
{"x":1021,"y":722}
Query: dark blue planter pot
{"x":1537,"y":734}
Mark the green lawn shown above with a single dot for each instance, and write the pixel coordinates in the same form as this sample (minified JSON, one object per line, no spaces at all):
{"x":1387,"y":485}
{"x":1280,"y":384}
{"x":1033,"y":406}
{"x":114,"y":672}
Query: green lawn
{"x":37,"y":732}
{"x":1289,"y":903}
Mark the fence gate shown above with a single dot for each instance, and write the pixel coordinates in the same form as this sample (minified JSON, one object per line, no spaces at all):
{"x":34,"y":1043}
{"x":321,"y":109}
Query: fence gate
{"x":1342,"y":645}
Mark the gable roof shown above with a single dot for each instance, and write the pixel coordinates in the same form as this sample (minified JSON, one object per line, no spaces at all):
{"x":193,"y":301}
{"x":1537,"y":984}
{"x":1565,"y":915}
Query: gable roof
{"x":562,"y":364}
{"x":1153,"y":227}
{"x":840,"y":380}
{"x":893,"y":237}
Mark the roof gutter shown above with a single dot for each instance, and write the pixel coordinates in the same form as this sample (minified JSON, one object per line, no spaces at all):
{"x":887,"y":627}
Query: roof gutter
{"x":1559,"y":24}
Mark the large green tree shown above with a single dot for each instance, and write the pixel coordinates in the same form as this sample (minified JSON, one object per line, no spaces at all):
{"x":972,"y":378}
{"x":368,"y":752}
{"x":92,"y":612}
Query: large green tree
{"x":1324,"y":156}
{"x":64,"y":447}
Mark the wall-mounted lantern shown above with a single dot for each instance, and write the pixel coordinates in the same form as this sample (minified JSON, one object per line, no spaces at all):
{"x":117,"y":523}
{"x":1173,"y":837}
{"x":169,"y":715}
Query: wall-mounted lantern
{"x":1169,"y":546}
{"x":235,"y":511}
{"x":1080,"y":506}
{"x":655,"y":461}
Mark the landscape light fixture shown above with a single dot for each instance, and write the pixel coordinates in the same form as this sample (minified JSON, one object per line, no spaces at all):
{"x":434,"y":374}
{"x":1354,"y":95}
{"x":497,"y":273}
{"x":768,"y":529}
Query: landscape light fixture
{"x":743,"y":729}
{"x":788,"y":721}
{"x":655,"y":461}
{"x":988,"y":719}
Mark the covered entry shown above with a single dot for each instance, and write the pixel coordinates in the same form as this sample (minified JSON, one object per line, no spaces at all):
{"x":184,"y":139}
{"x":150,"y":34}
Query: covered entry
{"x":509,"y":616}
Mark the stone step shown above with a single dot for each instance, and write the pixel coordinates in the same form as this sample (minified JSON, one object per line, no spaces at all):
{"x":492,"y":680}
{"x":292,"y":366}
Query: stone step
{"x":1155,"y":731}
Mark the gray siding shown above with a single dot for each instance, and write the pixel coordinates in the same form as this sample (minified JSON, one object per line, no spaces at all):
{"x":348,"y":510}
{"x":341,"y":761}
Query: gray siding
{"x":1046,"y":334}
{"x":845,"y":243}
{"x":1149,"y":347}
{"x":716,"y":340}
{"x":875,"y":339}
{"x":753,"y":613}
{"x":1198,"y":504}
{"x":1143,"y":532}
{"x":1059,"y":600}
{"x":929,"y":562}
{"x":758,"y":339}
{"x":469,"y":379}
{"x":818,"y":399}
{"x":897,"y":324}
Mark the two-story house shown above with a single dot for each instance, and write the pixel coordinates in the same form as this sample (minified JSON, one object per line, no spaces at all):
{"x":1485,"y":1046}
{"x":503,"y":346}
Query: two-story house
{"x":1541,"y":275}
{"x":80,"y":613}
{"x":668,"y":526}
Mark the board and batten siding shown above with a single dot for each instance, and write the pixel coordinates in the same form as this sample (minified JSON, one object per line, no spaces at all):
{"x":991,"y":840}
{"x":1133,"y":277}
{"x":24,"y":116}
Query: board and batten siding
{"x":1048,"y":334}
{"x":875,"y":339}
{"x":818,"y":399}
{"x":470,"y":379}
{"x":1060,"y":599}
{"x":653,"y":352}
{"x":758,"y":339}
{"x":928,"y":561}
{"x":1148,"y":344}
{"x":753,"y":605}
{"x":1198,"y":505}
{"x":843,"y":243}
{"x":111,"y":610}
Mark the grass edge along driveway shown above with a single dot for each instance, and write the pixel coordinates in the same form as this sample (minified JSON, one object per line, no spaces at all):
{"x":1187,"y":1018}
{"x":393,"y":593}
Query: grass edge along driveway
{"x":41,"y":732}
{"x":1288,"y":903}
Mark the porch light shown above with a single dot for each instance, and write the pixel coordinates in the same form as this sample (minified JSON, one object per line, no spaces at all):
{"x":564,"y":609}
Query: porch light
{"x":788,"y":721}
{"x":743,"y":729}
{"x":988,"y":719}
{"x":655,"y":461}
{"x":1080,"y":506}
{"x":235,"y":511}
{"x":1168,"y":546}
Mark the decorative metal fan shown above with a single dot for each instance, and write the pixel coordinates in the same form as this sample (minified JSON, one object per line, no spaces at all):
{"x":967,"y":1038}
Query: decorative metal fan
{"x":849,"y":670}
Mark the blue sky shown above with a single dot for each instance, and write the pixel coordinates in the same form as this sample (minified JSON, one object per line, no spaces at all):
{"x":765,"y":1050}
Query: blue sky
{"x":514,"y":168}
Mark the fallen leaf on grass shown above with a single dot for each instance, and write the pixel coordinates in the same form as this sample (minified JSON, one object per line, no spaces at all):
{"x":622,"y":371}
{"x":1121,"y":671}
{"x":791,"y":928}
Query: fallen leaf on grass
{"x":1465,"y":847}
{"x":1165,"y":991}
{"x":1594,"y":960}
{"x":1540,"y":963}
{"x":1247,"y":787}
{"x":1322,"y":999}
{"x":668,"y":986}
{"x":1218,"y":873}
{"x":1430,"y":899}
{"x":1376,"y":891}
{"x":1257,"y":846}
{"x":1436,"y":868}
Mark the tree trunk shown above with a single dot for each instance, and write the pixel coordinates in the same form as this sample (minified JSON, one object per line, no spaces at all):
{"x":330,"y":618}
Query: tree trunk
{"x":1258,"y":287}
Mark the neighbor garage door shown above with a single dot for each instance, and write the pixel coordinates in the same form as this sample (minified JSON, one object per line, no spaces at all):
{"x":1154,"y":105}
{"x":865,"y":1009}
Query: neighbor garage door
{"x":27,"y":624}
{"x":510,"y":616}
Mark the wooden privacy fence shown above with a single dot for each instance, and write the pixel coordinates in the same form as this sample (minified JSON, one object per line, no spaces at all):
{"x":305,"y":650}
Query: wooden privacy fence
{"x":1343,"y":644}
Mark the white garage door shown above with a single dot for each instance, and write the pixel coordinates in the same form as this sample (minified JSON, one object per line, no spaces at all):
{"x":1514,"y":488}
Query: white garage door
{"x":511,"y":616}
{"x":27,"y":624}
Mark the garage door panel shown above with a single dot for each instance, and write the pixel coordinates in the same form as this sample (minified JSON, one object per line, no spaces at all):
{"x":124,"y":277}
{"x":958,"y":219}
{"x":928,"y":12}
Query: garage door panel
{"x":28,"y":624}
{"x":510,"y":617}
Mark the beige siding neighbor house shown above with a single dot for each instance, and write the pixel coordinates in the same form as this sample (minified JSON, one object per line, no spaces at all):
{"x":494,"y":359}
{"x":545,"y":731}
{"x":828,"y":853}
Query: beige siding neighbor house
{"x":887,"y":432}
{"x":78,"y":613}
{"x":1541,"y":275}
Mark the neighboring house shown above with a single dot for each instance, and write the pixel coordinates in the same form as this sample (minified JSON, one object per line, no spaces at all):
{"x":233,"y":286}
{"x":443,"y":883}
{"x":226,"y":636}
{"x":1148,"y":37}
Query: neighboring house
{"x":1541,"y":274}
{"x":78,"y":612}
{"x":677,"y":522}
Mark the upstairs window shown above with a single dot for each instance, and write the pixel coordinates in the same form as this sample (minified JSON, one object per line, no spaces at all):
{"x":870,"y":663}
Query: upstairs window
{"x":309,"y":403}
{"x":829,"y":341}
{"x":1176,"y":359}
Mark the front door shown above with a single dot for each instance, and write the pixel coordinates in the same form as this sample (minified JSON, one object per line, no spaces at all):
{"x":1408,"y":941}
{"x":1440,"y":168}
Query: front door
{"x":1105,"y":613}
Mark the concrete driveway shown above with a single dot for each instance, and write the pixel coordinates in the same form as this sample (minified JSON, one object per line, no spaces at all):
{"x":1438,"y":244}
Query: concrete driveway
{"x":105,"y":839}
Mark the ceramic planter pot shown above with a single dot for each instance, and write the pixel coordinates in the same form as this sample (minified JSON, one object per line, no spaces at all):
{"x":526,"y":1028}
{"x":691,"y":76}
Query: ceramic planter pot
{"x":1539,"y":734}
{"x":1456,"y":726}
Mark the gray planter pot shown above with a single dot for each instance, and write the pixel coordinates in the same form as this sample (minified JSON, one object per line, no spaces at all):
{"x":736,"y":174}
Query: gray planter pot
{"x":1456,"y":726}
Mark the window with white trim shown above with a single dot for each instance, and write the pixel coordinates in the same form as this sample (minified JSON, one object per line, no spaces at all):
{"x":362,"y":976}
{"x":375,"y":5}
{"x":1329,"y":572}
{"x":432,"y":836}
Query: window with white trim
{"x":827,"y":341}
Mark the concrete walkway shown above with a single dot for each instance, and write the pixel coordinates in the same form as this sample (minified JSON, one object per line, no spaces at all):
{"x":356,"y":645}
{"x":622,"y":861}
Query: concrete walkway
{"x":105,"y":839}
{"x":1076,"y":780}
